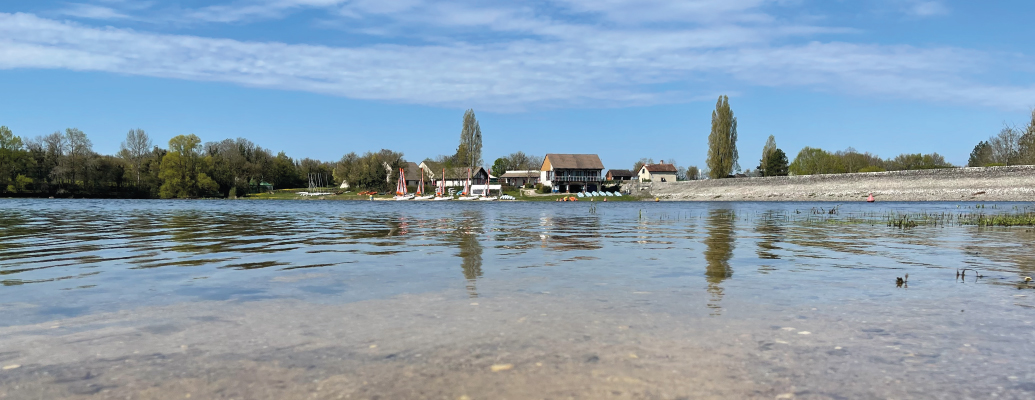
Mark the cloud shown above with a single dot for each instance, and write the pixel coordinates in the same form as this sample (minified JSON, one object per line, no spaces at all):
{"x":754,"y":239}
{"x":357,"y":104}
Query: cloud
{"x":90,"y":11}
{"x":587,"y":54}
{"x":928,"y":8}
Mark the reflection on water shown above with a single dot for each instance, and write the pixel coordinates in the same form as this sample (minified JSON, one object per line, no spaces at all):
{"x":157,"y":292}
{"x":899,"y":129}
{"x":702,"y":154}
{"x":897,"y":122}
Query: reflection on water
{"x":718,"y":252}
{"x":655,"y":275}
{"x":470,"y":250}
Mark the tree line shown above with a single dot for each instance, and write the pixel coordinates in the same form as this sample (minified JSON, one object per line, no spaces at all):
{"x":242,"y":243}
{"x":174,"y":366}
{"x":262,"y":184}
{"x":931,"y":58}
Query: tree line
{"x":1012,"y":146}
{"x":64,"y":164}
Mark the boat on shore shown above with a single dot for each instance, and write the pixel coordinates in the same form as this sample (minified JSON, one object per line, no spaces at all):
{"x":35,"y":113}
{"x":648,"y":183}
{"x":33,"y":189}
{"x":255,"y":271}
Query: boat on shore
{"x":400,"y":187}
{"x":466,"y":194}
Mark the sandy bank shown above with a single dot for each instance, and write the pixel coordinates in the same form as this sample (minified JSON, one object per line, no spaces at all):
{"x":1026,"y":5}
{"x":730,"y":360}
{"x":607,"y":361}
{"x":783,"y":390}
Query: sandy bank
{"x":1015,"y":183}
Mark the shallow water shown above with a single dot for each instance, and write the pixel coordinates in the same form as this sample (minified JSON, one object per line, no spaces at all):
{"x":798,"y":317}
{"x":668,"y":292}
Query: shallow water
{"x":323,"y":299}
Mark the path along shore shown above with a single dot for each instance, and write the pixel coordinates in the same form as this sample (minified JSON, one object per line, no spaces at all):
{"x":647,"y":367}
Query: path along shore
{"x":1014,"y":183}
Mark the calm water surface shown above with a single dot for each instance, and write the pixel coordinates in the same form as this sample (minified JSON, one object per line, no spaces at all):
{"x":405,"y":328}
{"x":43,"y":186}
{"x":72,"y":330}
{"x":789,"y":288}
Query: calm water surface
{"x":325,"y":299}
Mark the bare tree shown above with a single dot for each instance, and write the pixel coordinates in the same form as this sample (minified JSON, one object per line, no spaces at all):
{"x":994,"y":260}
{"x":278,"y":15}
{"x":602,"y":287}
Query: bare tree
{"x":1006,"y":145}
{"x":136,"y":147}
{"x":78,"y":151}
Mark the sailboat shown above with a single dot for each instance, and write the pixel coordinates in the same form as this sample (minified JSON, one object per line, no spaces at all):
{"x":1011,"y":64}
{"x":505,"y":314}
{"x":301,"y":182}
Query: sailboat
{"x":440,"y":193}
{"x":466,"y":195}
{"x":400,"y":187}
{"x":420,"y":189}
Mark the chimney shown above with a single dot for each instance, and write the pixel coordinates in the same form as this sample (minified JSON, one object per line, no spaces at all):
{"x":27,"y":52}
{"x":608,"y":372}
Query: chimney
{"x":662,"y":161}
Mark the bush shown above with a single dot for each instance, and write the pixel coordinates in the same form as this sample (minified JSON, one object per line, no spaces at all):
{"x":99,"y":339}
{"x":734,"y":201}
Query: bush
{"x":540,"y":188}
{"x":872,"y":168}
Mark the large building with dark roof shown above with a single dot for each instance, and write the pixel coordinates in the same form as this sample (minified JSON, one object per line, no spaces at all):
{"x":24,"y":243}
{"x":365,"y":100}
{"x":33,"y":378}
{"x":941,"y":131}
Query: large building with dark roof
{"x":570,"y":173}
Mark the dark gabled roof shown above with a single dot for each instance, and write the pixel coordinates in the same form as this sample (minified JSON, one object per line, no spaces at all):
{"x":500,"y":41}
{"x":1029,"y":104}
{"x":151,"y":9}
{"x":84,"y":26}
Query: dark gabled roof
{"x":412,"y":171}
{"x":621,"y":172}
{"x":660,"y":168}
{"x":575,"y":161}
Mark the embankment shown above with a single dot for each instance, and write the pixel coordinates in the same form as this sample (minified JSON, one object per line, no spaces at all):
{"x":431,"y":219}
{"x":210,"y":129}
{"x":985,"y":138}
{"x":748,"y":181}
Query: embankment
{"x":1015,"y":183}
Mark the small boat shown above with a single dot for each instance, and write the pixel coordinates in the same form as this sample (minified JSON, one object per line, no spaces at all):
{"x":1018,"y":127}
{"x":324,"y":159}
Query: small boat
{"x":870,"y":199}
{"x":487,"y":198}
{"x":420,"y":189}
{"x":466,"y":194}
{"x":440,"y":192}
{"x":400,"y":187}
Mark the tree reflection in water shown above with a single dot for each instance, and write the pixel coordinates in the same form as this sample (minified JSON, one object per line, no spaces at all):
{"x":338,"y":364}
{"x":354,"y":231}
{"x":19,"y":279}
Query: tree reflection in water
{"x":770,"y":232}
{"x":718,"y":252}
{"x":466,"y":233}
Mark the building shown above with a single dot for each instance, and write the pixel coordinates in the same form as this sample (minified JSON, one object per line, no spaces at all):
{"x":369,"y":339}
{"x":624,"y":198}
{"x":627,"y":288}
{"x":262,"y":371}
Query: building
{"x":520,"y":178}
{"x":455,"y":177}
{"x":413,"y":174}
{"x":570,"y":173}
{"x":619,"y":175}
{"x":657,"y":172}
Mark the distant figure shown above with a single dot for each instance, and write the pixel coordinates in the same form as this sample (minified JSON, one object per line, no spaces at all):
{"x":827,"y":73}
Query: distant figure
{"x":870,"y":199}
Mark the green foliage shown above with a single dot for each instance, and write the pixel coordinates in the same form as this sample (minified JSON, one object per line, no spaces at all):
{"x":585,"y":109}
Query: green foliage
{"x":469,"y":152}
{"x":11,"y":157}
{"x":722,"y":141}
{"x":693,"y":173}
{"x":775,"y":164}
{"x":499,"y":167}
{"x":182,"y":170}
{"x":981,"y":155}
{"x":811,"y":161}
{"x":639,"y":164}
{"x":367,"y":172}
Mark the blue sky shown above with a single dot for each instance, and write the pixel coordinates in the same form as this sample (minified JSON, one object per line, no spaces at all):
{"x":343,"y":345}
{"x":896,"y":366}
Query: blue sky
{"x":621,"y":78}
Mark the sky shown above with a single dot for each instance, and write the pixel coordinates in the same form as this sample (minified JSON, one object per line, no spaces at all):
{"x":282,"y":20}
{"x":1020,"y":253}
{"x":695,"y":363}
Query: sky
{"x":625,"y":79}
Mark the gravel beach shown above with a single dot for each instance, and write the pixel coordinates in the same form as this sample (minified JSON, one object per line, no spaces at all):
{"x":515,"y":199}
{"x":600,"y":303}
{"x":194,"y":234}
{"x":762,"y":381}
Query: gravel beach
{"x":1014,"y":183}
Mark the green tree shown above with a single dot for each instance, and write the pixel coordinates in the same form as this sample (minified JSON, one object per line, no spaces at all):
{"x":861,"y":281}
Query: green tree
{"x":469,"y":152}
{"x":639,"y":164}
{"x":775,"y":164}
{"x":811,"y":161}
{"x":981,"y":155}
{"x":692,"y":173}
{"x":182,"y":170}
{"x":499,"y":167}
{"x":1027,"y":142}
{"x":767,"y":151}
{"x":11,"y":156}
{"x":722,"y":141}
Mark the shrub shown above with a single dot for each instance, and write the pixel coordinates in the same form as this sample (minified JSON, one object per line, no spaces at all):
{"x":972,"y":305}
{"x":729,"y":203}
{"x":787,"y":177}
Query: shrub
{"x":872,"y":168}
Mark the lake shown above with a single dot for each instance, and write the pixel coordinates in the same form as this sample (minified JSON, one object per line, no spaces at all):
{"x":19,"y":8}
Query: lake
{"x":453,"y":300}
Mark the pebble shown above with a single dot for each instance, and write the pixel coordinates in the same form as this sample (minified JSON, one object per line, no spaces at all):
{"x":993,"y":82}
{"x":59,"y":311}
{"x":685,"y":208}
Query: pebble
{"x":785,"y":396}
{"x":12,"y":366}
{"x":501,"y":367}
{"x":787,"y":329}
{"x":804,"y":333}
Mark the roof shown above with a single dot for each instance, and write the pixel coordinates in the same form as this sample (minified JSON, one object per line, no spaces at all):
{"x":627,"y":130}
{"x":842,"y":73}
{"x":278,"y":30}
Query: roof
{"x":412,"y":171}
{"x":621,"y":172}
{"x":520,"y":174}
{"x":660,"y":168}
{"x":451,"y":173}
{"x":574,"y":161}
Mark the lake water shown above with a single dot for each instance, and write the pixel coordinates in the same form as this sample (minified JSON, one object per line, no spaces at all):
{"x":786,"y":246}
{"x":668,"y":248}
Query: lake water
{"x":338,"y":299}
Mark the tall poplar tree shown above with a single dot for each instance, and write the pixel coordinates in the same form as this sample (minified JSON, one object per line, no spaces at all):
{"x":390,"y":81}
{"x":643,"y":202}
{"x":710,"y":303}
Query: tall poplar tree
{"x":469,"y":153}
{"x":722,"y":142}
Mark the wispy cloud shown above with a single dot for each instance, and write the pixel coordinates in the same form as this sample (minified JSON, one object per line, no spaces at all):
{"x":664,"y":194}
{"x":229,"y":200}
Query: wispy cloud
{"x":927,"y":8}
{"x":91,"y":11}
{"x":573,"y":53}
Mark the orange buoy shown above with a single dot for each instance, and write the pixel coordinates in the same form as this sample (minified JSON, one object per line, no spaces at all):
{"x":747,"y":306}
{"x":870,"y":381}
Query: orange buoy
{"x":870,"y":199}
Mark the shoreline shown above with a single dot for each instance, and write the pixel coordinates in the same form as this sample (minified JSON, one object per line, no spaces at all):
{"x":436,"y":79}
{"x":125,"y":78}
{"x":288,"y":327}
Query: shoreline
{"x":1014,"y":183}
